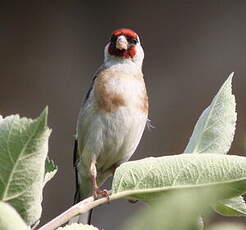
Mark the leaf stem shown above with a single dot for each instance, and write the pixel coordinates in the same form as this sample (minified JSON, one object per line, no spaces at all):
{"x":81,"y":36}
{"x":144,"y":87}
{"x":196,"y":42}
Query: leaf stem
{"x":81,"y":207}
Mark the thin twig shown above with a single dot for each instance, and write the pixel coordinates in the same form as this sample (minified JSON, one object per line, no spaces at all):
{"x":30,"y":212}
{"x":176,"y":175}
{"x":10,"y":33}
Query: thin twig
{"x":81,"y":207}
{"x":89,"y":203}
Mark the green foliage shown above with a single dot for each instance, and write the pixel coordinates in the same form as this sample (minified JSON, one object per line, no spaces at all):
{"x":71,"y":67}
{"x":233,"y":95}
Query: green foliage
{"x":78,"y":227}
{"x":50,"y":170}
{"x":213,"y":133}
{"x":143,"y":179}
{"x":178,"y":210}
{"x":23,"y":150}
{"x":233,"y":207}
{"x":214,"y":130}
{"x":10,"y":219}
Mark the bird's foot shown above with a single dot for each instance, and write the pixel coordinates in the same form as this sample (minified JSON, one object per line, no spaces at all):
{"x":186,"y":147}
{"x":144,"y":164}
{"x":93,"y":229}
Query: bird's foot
{"x":98,"y":192}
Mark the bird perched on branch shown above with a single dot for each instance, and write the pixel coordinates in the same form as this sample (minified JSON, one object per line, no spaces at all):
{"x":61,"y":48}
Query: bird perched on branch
{"x":112,"y":117}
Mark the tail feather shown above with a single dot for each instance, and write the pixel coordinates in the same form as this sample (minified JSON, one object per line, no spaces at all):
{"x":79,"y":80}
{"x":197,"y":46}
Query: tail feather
{"x":84,"y":218}
{"x":75,"y":163}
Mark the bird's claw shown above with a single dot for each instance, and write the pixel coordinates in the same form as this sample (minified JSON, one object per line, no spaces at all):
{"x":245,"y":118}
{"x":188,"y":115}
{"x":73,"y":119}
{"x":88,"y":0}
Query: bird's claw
{"x":103,"y":193}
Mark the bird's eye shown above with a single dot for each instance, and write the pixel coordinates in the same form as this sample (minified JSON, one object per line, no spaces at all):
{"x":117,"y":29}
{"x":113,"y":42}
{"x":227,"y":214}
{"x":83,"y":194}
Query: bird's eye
{"x":132,"y":40}
{"x":113,"y":39}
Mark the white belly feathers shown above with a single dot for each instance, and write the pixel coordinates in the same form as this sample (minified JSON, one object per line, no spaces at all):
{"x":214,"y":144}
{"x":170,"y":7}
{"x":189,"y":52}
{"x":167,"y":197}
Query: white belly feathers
{"x":113,"y":120}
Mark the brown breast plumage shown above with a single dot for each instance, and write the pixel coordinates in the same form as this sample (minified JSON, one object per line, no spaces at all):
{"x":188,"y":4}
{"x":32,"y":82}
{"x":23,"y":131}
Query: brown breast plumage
{"x":108,"y":99}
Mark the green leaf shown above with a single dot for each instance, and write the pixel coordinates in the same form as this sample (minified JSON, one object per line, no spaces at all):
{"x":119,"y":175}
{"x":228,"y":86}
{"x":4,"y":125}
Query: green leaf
{"x":23,"y":150}
{"x":10,"y":219}
{"x":50,"y":170}
{"x":78,"y":227}
{"x":143,"y":179}
{"x":178,"y":210}
{"x":214,"y":130}
{"x":233,"y":207}
{"x":227,"y":226}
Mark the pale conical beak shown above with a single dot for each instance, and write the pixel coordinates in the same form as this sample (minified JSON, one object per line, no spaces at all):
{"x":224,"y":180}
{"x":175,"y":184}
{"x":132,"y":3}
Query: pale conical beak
{"x":121,"y":43}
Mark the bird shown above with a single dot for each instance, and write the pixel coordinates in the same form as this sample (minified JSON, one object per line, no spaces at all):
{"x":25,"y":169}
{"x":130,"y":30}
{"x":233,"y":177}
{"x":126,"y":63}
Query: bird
{"x":112,"y":117}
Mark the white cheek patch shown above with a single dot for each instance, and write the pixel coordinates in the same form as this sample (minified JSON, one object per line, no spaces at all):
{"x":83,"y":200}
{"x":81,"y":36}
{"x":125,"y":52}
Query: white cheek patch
{"x":138,"y":58}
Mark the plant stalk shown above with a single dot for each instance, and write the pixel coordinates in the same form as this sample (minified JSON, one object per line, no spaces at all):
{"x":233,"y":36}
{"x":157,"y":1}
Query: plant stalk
{"x":81,"y":207}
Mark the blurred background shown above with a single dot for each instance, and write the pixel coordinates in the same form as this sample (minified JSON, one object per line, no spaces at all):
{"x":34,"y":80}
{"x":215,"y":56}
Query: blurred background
{"x":49,"y":51}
